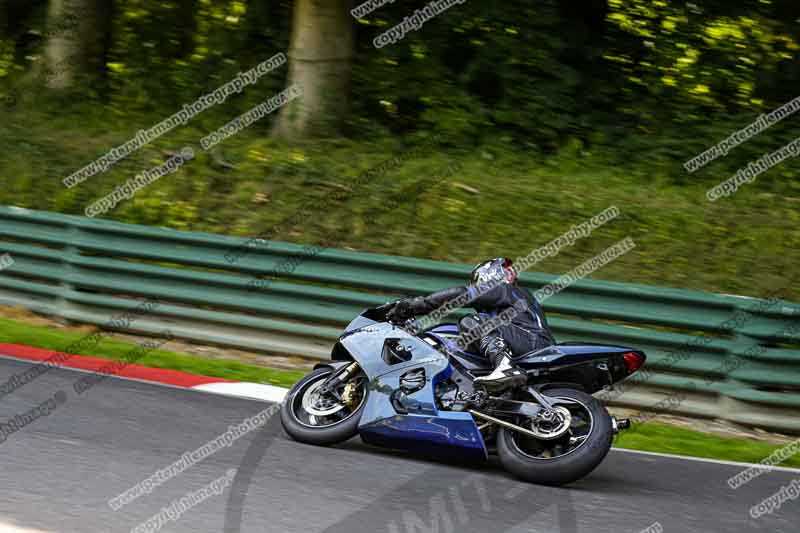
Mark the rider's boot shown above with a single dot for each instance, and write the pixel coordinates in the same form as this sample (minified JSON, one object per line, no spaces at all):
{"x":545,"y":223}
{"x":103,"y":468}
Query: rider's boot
{"x":505,"y":373}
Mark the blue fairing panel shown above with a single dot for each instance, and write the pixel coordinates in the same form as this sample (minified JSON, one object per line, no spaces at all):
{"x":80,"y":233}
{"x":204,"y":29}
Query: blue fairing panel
{"x":448,"y":434}
{"x":445,"y":329}
{"x":424,"y":428}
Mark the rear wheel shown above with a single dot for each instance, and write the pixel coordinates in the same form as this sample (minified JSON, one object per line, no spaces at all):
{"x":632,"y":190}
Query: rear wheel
{"x":576,"y":438}
{"x":312,"y":417}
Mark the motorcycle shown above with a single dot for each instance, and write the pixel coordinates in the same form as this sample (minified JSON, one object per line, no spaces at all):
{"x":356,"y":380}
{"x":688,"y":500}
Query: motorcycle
{"x":415,"y":392}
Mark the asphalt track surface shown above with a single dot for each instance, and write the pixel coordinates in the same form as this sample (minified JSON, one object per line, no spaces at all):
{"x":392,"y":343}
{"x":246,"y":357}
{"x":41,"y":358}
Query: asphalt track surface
{"x":59,"y":472}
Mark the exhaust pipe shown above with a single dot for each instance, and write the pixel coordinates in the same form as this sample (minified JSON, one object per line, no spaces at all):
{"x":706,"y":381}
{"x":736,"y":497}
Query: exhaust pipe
{"x":620,"y":425}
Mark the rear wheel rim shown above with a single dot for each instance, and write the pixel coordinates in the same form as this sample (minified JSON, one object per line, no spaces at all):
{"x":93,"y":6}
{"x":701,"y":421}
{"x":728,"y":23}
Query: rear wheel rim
{"x":329,"y":411}
{"x":581,"y":428}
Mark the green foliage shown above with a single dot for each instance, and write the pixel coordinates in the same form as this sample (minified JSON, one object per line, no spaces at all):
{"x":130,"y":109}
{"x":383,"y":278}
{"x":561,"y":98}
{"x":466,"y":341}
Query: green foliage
{"x":554,"y":111}
{"x":625,"y":77}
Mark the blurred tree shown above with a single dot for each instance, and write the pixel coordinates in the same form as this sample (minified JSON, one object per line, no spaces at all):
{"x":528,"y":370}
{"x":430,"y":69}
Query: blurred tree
{"x":16,"y":40}
{"x":618,"y":79}
{"x":183,"y":44}
{"x":77,"y":39}
{"x":320,"y":61}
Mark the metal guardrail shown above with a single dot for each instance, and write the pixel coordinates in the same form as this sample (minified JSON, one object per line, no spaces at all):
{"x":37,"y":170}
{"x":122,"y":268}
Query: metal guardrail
{"x":723,"y":356}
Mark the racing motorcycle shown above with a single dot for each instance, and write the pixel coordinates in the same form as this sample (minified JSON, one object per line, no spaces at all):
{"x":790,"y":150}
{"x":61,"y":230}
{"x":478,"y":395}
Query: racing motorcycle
{"x":415,"y":392}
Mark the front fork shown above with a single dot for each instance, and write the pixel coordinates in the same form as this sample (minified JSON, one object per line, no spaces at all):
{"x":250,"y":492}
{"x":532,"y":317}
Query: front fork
{"x":343,"y":375}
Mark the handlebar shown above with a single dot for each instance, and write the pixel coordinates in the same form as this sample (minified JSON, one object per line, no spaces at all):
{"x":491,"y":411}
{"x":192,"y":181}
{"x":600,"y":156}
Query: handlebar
{"x":384,"y":309}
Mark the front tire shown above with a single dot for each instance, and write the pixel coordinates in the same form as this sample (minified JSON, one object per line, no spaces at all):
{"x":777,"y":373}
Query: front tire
{"x":305,"y":427}
{"x":530,"y":462}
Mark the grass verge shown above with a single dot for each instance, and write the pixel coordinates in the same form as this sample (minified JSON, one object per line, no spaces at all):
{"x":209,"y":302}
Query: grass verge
{"x":651,"y":436}
{"x":14,"y":332}
{"x":663,"y":438}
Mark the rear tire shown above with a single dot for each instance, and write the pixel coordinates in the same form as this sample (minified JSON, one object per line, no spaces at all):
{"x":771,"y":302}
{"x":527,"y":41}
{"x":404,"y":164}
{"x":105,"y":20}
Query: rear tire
{"x":567,"y":468}
{"x":323,"y":435}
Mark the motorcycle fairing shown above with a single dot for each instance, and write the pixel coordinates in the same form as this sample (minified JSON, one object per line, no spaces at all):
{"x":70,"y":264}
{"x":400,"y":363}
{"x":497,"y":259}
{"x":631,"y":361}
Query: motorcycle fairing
{"x":424,"y":428}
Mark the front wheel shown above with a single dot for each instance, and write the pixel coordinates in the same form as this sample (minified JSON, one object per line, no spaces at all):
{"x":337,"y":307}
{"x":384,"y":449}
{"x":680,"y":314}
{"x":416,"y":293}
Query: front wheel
{"x":567,"y":458}
{"x":311,"y":417}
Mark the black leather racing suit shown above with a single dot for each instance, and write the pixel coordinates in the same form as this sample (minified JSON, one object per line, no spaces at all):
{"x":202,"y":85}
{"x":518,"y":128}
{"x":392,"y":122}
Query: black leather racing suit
{"x":527,"y":331}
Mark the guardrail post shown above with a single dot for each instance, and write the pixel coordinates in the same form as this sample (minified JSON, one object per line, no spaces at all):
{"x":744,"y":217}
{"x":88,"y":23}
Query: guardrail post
{"x":728,"y":407}
{"x":71,"y":252}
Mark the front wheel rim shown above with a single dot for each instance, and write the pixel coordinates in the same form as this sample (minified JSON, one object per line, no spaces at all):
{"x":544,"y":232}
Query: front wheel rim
{"x":328,"y":412}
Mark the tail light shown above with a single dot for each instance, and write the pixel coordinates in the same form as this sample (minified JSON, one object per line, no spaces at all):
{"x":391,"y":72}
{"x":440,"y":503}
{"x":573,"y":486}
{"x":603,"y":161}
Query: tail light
{"x":633,"y":361}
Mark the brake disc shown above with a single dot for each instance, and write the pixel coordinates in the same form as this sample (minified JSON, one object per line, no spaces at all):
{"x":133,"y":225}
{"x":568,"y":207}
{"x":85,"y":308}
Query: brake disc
{"x":318,"y":405}
{"x":552,"y":423}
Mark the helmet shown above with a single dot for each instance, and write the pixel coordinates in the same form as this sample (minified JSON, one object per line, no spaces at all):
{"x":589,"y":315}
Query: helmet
{"x":497,"y":270}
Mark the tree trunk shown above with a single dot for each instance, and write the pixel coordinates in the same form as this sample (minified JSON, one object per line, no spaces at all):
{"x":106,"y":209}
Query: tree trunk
{"x":187,"y":11}
{"x":320,"y":61}
{"x":76,"y":40}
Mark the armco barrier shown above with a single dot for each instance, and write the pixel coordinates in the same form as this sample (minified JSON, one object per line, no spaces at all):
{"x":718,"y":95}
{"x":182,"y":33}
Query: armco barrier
{"x":84,"y":270}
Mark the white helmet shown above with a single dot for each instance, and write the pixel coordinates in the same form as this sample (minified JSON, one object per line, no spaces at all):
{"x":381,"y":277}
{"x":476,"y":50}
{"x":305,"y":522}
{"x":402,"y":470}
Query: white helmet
{"x":494,"y":270}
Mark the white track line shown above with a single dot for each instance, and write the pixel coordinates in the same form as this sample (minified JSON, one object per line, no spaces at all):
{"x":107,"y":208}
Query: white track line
{"x":706,"y":460}
{"x":254,"y":391}
{"x":12,"y":528}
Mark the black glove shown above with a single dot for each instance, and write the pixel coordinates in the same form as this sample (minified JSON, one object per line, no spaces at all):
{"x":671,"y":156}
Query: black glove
{"x":402,"y":310}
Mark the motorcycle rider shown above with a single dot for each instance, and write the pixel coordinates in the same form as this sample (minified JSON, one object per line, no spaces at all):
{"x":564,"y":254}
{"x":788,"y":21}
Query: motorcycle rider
{"x":493,"y":288}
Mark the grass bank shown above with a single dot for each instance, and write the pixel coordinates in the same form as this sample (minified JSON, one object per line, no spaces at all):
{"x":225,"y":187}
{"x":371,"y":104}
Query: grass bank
{"x":500,"y":199}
